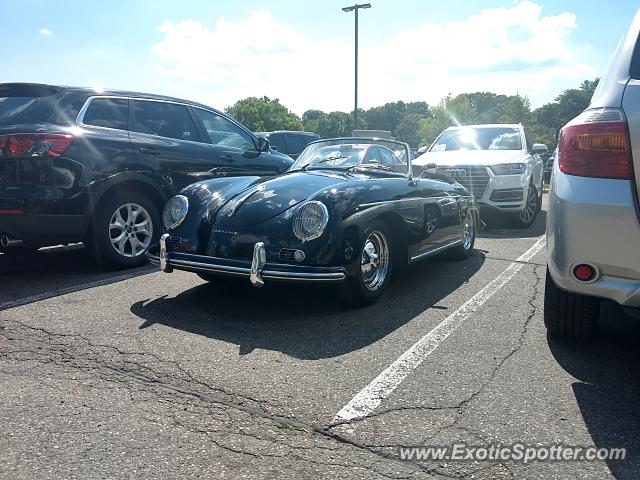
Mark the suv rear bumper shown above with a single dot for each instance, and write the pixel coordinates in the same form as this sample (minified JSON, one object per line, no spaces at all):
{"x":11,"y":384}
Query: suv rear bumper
{"x":594,"y":221}
{"x":39,"y":230}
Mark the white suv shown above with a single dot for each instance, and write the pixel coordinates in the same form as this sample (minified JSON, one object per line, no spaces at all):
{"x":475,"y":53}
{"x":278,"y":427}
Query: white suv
{"x":497,"y":163}
{"x":593,"y":222}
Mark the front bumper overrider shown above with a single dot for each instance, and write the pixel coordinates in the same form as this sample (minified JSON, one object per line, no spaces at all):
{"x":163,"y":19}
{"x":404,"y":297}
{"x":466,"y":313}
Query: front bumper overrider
{"x":257,"y":270}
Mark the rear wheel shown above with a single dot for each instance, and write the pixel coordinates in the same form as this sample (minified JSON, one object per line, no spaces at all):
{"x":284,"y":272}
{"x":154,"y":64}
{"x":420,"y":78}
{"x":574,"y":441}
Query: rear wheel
{"x":567,"y":314}
{"x":124,"y":227}
{"x":376,"y":264}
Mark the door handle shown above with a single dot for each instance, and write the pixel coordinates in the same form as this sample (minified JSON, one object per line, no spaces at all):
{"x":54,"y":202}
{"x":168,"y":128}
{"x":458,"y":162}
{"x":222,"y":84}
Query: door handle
{"x":227,"y":157}
{"x":148,"y":151}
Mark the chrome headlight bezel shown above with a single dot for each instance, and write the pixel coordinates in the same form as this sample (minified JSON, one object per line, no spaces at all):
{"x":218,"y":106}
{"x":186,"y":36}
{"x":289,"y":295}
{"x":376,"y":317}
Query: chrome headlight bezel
{"x":302,"y":227}
{"x":509,"y":169}
{"x":175,"y":211}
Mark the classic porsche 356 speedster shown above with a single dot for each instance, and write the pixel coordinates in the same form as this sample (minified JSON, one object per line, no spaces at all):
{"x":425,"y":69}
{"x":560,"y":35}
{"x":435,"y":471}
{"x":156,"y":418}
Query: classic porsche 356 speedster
{"x":348,"y":212}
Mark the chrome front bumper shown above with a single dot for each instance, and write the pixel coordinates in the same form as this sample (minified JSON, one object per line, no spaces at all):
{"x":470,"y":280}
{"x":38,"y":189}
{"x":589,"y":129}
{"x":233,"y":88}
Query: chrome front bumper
{"x":257,"y":271}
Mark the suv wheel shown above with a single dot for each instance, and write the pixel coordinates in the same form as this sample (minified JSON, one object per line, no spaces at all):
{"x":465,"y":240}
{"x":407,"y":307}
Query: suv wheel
{"x":567,"y":314}
{"x":527,"y":217}
{"x":125,"y":226}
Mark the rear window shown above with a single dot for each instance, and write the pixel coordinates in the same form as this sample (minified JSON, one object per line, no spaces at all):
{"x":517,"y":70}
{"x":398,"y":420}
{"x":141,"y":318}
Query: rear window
{"x":107,"y":112}
{"x":18,"y":107}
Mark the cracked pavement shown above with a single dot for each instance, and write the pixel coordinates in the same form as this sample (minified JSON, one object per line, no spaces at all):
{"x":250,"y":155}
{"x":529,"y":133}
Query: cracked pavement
{"x":163,"y":376}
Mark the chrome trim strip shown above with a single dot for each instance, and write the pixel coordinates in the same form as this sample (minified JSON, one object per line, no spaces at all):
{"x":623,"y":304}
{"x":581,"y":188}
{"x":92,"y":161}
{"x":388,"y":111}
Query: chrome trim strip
{"x":435,"y":251}
{"x":246,"y":272}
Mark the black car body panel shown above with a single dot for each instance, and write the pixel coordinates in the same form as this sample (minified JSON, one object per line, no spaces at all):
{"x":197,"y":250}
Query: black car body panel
{"x":51,"y":200}
{"x":228,"y":217}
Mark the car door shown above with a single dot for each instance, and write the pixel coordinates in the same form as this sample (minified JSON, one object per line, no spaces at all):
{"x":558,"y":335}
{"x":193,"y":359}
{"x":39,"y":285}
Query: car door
{"x":236,"y":148}
{"x":164,"y":135}
{"x":439,"y":205}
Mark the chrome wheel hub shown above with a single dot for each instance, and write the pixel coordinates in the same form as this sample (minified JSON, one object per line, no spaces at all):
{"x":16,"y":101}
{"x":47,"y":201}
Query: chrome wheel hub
{"x":130,"y":230}
{"x":468,"y":232}
{"x":374,"y":264}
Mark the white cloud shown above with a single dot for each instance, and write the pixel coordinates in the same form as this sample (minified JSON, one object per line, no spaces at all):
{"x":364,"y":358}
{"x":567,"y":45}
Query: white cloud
{"x":45,"y":31}
{"x":504,"y":50}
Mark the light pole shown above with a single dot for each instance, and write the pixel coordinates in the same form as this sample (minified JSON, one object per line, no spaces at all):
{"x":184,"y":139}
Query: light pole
{"x":355,"y":8}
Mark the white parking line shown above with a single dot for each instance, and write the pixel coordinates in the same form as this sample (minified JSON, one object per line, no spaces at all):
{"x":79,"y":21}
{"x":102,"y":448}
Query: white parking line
{"x":384,"y":384}
{"x":75,"y":288}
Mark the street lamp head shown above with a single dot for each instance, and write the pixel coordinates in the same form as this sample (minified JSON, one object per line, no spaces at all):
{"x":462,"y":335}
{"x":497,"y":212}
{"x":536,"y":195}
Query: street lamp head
{"x":355,"y":7}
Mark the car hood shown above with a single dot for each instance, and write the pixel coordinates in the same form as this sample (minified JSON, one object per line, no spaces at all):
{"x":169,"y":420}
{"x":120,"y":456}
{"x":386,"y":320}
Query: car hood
{"x":261,"y":201}
{"x":471,"y":157}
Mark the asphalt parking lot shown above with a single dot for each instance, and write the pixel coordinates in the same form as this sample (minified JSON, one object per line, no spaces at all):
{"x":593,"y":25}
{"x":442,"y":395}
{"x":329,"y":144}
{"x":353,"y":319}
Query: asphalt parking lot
{"x":143,"y":374}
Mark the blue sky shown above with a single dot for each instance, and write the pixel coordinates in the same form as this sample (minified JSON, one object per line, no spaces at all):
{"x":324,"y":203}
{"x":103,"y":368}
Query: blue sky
{"x":302,"y":52}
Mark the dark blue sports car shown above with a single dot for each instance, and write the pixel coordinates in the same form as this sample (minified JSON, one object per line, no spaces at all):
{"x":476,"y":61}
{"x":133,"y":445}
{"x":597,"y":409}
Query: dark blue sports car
{"x":348,"y":212}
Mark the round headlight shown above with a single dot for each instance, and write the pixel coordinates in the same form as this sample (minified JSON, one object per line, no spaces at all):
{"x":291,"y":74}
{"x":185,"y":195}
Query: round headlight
{"x":310,"y":220}
{"x":175,"y":211}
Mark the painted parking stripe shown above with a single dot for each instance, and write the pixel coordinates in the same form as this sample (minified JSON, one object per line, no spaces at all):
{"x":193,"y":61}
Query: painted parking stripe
{"x":384,"y":384}
{"x":75,"y":288}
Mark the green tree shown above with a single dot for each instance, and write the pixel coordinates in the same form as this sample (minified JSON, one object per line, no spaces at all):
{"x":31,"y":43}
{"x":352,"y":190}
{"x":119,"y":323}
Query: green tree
{"x":264,"y":115}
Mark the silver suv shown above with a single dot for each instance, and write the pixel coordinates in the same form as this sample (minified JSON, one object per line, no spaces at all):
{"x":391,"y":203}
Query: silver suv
{"x":497,"y":163}
{"x":593,"y":222}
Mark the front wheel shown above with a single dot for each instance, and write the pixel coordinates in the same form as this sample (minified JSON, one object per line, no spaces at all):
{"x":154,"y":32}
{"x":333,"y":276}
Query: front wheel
{"x":527,"y":217}
{"x":469,"y":233}
{"x":376,"y":263}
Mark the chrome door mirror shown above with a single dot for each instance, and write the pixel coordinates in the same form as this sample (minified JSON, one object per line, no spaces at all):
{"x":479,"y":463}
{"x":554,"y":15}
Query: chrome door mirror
{"x":263,"y":144}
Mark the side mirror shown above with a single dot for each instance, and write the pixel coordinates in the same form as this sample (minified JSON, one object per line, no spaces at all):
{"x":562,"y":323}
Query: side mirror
{"x":539,"y":148}
{"x":263,"y":144}
{"x":430,"y":169}
{"x":422,"y":149}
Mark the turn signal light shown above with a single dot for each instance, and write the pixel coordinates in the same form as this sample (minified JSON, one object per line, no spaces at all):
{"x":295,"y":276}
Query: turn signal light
{"x":596,"y":144}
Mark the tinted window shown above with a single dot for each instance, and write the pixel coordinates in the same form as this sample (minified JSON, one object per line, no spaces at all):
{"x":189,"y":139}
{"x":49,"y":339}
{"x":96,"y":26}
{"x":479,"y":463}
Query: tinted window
{"x":486,"y":138}
{"x":224,"y":132}
{"x":296,"y":143}
{"x":163,"y":119}
{"x":277,"y":140}
{"x":59,"y":109}
{"x":107,"y":112}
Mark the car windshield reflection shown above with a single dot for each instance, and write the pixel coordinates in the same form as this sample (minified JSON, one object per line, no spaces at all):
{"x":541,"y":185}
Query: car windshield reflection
{"x":354,"y":153}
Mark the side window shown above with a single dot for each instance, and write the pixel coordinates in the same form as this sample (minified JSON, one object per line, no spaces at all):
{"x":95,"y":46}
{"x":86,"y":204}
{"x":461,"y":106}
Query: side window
{"x":163,"y":119}
{"x":388,"y":158}
{"x":373,"y":155}
{"x":277,"y":140}
{"x":296,"y":143}
{"x":223,"y":132}
{"x":107,"y":112}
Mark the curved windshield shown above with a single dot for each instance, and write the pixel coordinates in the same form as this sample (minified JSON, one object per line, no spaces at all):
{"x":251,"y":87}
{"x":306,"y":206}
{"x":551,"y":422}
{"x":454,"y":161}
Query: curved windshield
{"x":485,"y":138}
{"x":354,"y":153}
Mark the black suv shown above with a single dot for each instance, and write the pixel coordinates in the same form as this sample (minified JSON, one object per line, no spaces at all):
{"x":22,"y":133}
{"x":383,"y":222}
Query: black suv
{"x":290,"y":142}
{"x":97,"y":166}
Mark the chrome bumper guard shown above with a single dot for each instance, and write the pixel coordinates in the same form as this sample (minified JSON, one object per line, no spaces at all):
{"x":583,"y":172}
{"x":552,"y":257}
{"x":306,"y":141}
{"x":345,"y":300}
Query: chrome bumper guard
{"x":257,"y":271}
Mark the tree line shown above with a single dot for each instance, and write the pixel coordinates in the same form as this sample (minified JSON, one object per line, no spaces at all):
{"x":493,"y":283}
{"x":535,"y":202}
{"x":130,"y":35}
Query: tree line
{"x":418,"y":123}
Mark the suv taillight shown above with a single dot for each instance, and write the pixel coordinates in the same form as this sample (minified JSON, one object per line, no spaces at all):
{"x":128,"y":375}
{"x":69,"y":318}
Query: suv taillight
{"x":596,"y":144}
{"x":38,"y":145}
